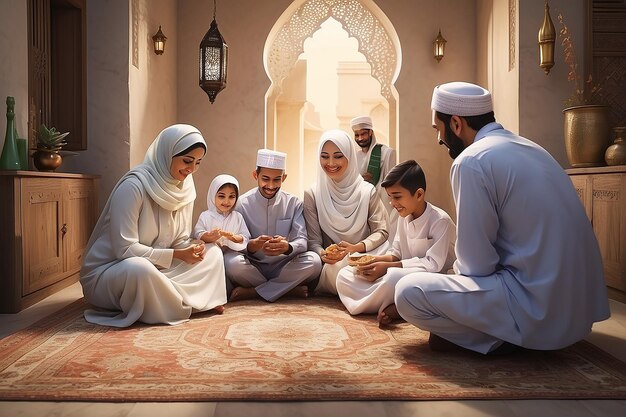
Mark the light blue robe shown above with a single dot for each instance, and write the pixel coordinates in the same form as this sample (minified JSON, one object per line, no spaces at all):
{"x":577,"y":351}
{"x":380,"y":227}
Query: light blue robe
{"x":273,"y":276}
{"x":528,"y":266}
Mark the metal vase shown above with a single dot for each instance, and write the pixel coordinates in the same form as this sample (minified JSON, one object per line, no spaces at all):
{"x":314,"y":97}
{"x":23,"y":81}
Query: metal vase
{"x":587,"y":135}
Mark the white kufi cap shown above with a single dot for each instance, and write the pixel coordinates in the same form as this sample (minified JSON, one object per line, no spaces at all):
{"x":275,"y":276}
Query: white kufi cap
{"x":461,"y":99}
{"x":271,"y":159}
{"x":361,"y":122}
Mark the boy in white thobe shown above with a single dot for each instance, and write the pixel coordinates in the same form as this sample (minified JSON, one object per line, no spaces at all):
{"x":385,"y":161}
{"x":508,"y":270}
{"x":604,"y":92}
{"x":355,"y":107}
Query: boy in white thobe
{"x":276,"y":261}
{"x":528,"y":270}
{"x":424,"y":241}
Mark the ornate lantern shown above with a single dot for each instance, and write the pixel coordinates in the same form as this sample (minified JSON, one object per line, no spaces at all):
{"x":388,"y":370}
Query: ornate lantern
{"x":440,"y":45}
{"x":159,"y":42}
{"x":213,"y":60}
{"x":547,"y":37}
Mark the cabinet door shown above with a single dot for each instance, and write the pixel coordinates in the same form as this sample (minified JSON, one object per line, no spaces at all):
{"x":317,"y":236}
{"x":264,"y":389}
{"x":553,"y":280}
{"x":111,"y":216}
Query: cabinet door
{"x":42,"y":210}
{"x":609,"y":225}
{"x":79,"y":220}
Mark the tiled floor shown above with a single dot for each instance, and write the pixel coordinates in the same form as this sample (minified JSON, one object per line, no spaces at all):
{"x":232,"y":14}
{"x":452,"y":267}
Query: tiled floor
{"x":609,"y":335}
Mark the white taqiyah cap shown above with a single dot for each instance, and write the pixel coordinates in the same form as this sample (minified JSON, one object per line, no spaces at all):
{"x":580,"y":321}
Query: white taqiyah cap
{"x":271,"y":159}
{"x":461,"y":99}
{"x":361,"y":122}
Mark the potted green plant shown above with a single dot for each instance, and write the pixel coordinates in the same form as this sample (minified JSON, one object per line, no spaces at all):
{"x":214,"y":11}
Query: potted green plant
{"x":49,"y":142}
{"x":586,"y":124}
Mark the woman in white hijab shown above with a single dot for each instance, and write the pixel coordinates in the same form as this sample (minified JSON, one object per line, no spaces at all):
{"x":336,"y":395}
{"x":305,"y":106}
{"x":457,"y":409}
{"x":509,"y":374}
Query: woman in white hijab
{"x":140,"y":264}
{"x":341,"y":208}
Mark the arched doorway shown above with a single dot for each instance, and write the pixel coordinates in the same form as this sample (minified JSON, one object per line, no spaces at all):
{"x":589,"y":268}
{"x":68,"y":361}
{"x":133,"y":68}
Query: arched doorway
{"x":293,"y":124}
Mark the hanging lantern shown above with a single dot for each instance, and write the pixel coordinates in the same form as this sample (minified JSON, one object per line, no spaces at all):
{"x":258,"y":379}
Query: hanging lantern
{"x":159,"y":42}
{"x":440,"y":45}
{"x":213,"y":61}
{"x":547,"y":37}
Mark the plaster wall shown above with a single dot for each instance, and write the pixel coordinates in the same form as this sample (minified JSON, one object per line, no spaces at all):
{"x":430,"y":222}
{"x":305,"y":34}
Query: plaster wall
{"x":108,"y":128}
{"x":152,"y":77}
{"x":542,"y":96}
{"x":14,"y":64}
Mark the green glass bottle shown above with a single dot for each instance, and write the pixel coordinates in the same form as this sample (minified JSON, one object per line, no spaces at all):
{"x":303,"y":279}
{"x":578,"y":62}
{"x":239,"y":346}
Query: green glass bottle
{"x":10,"y":159}
{"x":22,"y":149}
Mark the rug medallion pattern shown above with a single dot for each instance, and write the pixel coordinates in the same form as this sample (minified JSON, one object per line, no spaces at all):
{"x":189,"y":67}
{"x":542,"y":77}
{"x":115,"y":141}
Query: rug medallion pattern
{"x":290,"y":350}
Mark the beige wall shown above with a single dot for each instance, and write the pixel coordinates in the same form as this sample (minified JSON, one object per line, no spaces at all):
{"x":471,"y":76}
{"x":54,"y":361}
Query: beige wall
{"x":14,"y":64}
{"x":153,"y":81}
{"x":542,"y":96}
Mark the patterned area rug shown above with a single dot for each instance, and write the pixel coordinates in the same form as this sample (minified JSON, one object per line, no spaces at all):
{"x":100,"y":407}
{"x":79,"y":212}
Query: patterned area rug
{"x":291,"y":350}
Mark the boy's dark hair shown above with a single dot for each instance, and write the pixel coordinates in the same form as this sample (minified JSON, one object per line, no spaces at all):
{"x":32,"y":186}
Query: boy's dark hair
{"x":475,"y":122}
{"x":191,"y":148}
{"x":407,"y":174}
{"x":233,"y":185}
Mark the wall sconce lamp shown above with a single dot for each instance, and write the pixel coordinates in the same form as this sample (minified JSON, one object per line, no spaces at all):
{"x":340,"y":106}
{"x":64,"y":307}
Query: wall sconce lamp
{"x":439,"y":45}
{"x":159,"y":42}
{"x":213,"y":60}
{"x":547,"y":37}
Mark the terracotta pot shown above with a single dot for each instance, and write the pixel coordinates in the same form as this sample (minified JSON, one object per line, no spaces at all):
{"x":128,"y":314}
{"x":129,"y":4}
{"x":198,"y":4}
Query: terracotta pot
{"x":587,"y":134}
{"x":46,"y":160}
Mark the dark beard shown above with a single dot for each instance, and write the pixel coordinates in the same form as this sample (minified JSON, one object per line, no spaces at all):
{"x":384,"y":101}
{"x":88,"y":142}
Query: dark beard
{"x":452,"y":142}
{"x":365,"y":145}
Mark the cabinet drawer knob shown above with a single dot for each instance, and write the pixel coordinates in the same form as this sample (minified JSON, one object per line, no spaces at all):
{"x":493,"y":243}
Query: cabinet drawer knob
{"x":64,"y":229}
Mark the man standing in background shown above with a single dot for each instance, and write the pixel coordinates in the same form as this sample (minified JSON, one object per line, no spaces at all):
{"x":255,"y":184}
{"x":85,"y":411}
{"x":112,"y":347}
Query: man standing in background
{"x":375,"y":160}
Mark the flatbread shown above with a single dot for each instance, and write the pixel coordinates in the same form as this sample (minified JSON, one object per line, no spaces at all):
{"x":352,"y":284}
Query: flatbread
{"x":360,"y":260}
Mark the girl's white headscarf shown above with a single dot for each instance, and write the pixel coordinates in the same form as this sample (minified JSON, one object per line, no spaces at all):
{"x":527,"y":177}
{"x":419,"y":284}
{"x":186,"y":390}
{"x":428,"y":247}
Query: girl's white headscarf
{"x":216,"y":184}
{"x":342,"y":206}
{"x":154,"y":174}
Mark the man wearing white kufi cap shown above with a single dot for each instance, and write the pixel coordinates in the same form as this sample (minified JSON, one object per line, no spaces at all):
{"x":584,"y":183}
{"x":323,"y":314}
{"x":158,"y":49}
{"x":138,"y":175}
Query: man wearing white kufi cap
{"x":375,"y":160}
{"x":528,"y":272}
{"x":276,"y":261}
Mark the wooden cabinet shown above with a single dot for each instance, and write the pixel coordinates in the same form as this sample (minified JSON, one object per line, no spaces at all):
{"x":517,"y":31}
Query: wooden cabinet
{"x":603,"y":193}
{"x":46,"y":220}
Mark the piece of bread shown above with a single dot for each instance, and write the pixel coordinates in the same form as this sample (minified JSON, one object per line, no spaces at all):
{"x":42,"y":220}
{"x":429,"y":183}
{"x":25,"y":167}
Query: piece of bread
{"x":360,"y":260}
{"x":226,"y":233}
{"x":333,"y":252}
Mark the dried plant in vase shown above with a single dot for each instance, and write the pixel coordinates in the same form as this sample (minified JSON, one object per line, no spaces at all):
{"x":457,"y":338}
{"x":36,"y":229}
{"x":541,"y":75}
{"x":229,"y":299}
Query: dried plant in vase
{"x":585,"y":90}
{"x":586,"y":125}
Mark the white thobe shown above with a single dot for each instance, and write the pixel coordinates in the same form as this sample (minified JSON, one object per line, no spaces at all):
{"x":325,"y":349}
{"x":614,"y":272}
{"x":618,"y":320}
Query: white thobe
{"x":425,"y":243}
{"x":233,"y":222}
{"x":528,"y":268}
{"x":387,"y":162}
{"x":130,"y":270}
{"x":374,"y":236}
{"x":273,"y":276}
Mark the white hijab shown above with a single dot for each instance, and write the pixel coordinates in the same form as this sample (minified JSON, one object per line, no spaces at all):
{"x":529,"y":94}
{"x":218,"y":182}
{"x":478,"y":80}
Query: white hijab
{"x":154,"y":174}
{"x":216,"y":184}
{"x":342,"y":206}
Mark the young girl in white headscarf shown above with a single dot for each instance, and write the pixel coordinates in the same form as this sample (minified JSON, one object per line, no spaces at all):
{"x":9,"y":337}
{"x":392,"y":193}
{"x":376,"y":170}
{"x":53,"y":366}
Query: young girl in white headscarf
{"x":140,"y":264}
{"x":220,"y":224}
{"x":342,"y":209}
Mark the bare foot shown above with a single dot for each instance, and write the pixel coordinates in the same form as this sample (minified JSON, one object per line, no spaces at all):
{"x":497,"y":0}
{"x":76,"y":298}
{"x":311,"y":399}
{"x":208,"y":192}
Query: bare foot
{"x":299,"y":292}
{"x":388,"y":315}
{"x":243,"y":293}
{"x":218,"y":310}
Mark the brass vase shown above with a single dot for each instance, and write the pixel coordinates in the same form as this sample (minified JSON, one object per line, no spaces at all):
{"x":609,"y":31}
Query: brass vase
{"x":47,"y":161}
{"x":587,"y":133}
{"x":616,"y":153}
